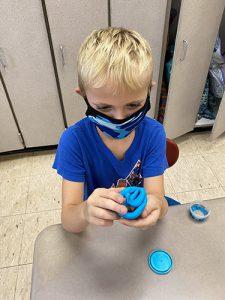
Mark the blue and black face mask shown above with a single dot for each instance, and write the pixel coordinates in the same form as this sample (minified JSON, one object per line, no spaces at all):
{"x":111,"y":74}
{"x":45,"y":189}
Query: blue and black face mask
{"x":117,"y":129}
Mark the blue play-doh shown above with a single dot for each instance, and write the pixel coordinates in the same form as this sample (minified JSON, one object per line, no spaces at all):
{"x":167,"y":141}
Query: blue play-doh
{"x":160,"y":262}
{"x":136,"y":198}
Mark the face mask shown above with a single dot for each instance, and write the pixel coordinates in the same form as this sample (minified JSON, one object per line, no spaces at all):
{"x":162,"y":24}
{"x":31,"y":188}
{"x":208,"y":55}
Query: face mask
{"x":117,"y":129}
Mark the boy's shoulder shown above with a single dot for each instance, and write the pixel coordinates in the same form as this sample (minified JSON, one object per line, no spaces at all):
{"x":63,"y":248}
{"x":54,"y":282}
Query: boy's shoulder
{"x":152,"y":125}
{"x":81,"y":124}
{"x":152,"y":134}
{"x":75,"y":130}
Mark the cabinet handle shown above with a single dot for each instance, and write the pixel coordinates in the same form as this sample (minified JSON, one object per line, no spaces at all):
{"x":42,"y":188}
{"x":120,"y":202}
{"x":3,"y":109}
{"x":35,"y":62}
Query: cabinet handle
{"x":21,"y":139}
{"x":2,"y":59}
{"x":184,"y":50}
{"x":61,"y":47}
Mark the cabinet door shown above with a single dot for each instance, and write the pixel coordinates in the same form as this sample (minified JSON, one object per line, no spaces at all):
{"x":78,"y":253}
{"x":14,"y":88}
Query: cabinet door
{"x":149,"y":19}
{"x":222,"y":32}
{"x":198,"y":25}
{"x":219,"y":125}
{"x":29,"y":74}
{"x":9,"y":138}
{"x":70,"y":23}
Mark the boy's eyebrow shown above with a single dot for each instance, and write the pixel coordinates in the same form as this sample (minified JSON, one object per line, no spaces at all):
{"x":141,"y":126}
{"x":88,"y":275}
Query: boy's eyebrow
{"x":133,"y":102}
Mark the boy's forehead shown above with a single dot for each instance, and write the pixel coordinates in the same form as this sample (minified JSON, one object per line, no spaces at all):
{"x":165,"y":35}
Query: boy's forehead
{"x":105,"y":95}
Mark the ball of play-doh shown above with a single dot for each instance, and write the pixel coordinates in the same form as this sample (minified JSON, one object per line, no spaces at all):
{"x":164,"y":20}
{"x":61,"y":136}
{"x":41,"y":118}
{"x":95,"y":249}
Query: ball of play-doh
{"x":136,"y":198}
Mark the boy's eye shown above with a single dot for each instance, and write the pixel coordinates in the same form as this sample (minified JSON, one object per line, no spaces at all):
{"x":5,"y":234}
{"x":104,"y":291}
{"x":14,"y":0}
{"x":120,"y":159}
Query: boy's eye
{"x":130,"y":106}
{"x":103,"y":108}
{"x":134,"y":105}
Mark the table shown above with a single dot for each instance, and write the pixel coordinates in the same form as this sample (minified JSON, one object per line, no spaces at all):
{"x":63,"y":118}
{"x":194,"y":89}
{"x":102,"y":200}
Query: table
{"x":112,"y":263}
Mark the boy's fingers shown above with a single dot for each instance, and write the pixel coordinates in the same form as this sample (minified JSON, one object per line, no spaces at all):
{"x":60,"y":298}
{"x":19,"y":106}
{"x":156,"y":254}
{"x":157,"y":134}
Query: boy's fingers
{"x":105,"y":214}
{"x":112,"y":195}
{"x":147,"y":211}
{"x":144,"y":214}
{"x":101,"y":222}
{"x":111,"y":205}
{"x":150,"y":220}
{"x":119,"y":189}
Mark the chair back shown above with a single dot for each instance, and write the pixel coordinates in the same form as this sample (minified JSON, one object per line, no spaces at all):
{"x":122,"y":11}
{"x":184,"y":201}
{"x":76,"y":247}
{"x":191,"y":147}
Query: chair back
{"x":172,"y":152}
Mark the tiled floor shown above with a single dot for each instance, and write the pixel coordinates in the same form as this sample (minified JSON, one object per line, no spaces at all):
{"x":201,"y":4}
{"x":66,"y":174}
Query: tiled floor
{"x":30,"y":193}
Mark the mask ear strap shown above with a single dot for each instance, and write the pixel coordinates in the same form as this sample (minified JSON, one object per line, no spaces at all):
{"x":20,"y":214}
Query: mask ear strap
{"x":86,"y":100}
{"x":148,"y":102}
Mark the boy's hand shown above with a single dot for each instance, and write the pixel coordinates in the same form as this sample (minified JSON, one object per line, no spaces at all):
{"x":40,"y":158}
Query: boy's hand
{"x":102,"y":206}
{"x":149,"y":216}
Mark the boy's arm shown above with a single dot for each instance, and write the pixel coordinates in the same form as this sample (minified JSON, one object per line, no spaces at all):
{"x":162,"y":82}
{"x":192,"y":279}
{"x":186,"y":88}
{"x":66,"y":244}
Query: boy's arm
{"x":154,"y":187}
{"x":101,"y":208}
{"x":72,"y":206}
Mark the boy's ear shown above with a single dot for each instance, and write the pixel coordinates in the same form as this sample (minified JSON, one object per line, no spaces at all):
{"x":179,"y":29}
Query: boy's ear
{"x":78,"y":91}
{"x":153,"y":83}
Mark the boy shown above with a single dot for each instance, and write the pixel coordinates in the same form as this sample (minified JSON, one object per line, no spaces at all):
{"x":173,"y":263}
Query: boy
{"x":116,"y":145}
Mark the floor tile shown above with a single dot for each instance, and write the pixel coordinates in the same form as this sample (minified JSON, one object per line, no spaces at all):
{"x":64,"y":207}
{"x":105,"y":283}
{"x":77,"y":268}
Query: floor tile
{"x":8,"y":277}
{"x":34,"y":224}
{"x":186,"y":145}
{"x":192,"y":173}
{"x":11,"y":231}
{"x":204,"y":145}
{"x":200,"y":195}
{"x":16,"y":165}
{"x":13,"y":196}
{"x":216,"y":161}
{"x":42,"y":162}
{"x":45,"y":193}
{"x":23,"y":285}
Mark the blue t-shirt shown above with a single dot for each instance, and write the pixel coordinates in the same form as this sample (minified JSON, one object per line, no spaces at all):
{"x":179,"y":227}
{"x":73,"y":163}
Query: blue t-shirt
{"x":83,"y":157}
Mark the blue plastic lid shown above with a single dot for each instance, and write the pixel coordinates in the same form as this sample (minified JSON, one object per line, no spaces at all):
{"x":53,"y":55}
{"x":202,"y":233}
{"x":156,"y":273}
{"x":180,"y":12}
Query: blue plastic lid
{"x":160,"y":262}
{"x":199,"y":211}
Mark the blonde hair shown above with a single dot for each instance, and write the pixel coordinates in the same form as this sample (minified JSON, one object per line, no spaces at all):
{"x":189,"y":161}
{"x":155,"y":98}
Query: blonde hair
{"x":116,"y":55}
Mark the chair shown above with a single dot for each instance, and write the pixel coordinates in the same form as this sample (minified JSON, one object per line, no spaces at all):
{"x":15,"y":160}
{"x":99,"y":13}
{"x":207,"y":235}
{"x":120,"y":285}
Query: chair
{"x":172,"y":154}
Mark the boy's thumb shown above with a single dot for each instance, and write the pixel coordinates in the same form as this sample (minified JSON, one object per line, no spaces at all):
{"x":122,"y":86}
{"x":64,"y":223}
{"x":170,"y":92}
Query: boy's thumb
{"x":144,"y":214}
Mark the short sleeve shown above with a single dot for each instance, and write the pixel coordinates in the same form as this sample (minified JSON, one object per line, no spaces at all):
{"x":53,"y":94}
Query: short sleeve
{"x":68,"y":160}
{"x":155,"y":162}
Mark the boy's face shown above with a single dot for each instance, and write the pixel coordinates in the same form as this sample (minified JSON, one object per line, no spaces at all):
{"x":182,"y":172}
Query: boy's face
{"x":119,"y":106}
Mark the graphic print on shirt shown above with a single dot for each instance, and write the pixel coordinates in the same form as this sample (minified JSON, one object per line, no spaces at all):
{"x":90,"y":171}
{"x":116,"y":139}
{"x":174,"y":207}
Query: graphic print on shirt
{"x":134,"y":178}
